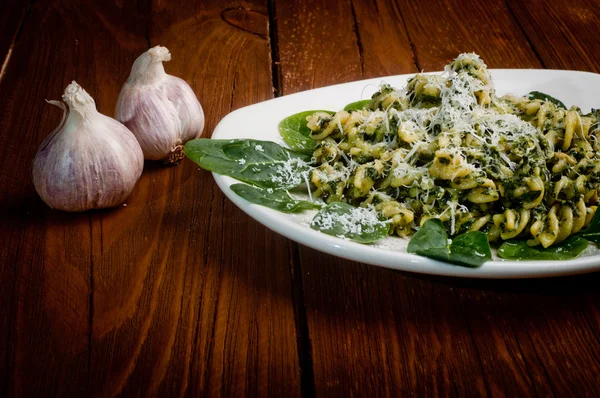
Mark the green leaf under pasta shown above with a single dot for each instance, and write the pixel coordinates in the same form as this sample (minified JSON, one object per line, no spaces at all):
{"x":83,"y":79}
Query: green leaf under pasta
{"x":296,"y":134}
{"x":546,"y":97}
{"x":519,"y":250}
{"x":358,"y":105}
{"x":277,"y":199}
{"x":359,"y":224}
{"x":470,"y":249}
{"x":592,"y":232}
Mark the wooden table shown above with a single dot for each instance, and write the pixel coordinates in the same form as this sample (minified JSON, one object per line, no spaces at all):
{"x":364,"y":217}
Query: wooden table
{"x":180,"y":293}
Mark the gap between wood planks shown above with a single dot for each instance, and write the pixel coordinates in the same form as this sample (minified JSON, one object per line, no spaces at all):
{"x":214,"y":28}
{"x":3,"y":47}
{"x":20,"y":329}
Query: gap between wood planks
{"x":274,"y":45}
{"x":303,"y":345}
{"x":14,"y":40}
{"x":516,"y":20}
{"x":410,"y":42}
{"x":361,"y":53}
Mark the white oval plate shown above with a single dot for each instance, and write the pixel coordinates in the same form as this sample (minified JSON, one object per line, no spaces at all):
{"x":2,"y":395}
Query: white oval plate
{"x":260,"y":121}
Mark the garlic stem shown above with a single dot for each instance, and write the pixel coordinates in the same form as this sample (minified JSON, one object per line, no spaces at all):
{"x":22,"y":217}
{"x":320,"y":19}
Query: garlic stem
{"x":79,"y":100}
{"x":148,"y":68}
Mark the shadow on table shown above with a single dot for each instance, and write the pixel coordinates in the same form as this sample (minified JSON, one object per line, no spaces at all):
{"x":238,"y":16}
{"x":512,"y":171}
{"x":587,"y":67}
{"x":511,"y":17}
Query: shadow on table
{"x":27,"y":208}
{"x":350,"y":293}
{"x":560,"y":285}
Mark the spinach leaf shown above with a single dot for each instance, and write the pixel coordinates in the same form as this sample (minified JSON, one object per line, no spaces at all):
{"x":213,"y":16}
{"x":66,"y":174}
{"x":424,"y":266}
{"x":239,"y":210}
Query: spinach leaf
{"x":356,"y":106}
{"x":519,"y":250}
{"x":254,"y":151}
{"x":359,"y":224}
{"x":546,"y":97}
{"x":277,"y":199}
{"x":261,"y":163}
{"x":592,"y":232}
{"x":470,"y":249}
{"x":296,"y":133}
{"x":431,"y":241}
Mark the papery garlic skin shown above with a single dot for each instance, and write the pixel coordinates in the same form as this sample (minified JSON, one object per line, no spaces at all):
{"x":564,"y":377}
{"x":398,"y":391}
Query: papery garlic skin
{"x":161,"y":110}
{"x":90,"y":161}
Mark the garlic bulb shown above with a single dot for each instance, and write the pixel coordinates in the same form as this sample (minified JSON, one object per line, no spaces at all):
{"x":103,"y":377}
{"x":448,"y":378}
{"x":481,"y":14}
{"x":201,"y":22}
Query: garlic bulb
{"x":161,"y":110}
{"x":89,"y":161}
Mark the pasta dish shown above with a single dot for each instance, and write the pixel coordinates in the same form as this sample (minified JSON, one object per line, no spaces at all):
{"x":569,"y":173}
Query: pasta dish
{"x":447,"y":147}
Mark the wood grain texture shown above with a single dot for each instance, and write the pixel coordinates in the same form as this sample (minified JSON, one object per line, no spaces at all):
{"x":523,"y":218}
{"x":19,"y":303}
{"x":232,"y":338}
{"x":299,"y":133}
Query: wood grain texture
{"x":441,"y":29}
{"x":179,"y":293}
{"x":563,"y":34}
{"x":166,"y":295}
{"x":46,"y":272}
{"x":522,"y":323}
{"x":427,"y":336}
{"x":206,"y":292}
{"x":239,"y":347}
{"x":312,"y":54}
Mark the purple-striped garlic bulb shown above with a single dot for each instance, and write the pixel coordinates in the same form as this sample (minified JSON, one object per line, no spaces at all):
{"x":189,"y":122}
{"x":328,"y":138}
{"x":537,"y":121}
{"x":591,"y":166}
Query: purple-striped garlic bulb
{"x":161,"y":110}
{"x":90,"y":161}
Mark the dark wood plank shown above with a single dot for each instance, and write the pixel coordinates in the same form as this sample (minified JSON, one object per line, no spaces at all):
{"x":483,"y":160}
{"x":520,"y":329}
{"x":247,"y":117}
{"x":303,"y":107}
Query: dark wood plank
{"x":46,"y":266}
{"x":402,"y":333}
{"x":545,"y":324}
{"x":378,"y":330}
{"x":564,"y":35}
{"x":312,"y":54}
{"x":184,"y":301}
{"x":164,"y":296}
{"x":442,"y":29}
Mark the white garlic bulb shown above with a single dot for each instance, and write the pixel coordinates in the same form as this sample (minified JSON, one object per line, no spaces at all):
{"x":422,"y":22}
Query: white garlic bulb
{"x":89,"y":161}
{"x":161,"y":110}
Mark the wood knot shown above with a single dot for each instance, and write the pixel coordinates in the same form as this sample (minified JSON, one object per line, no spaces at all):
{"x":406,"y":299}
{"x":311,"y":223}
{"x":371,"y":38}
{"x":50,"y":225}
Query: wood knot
{"x":249,"y":21}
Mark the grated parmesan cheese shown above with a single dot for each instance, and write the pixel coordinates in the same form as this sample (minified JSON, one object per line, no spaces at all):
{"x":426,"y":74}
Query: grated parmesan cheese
{"x":292,"y":172}
{"x":360,"y":220}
